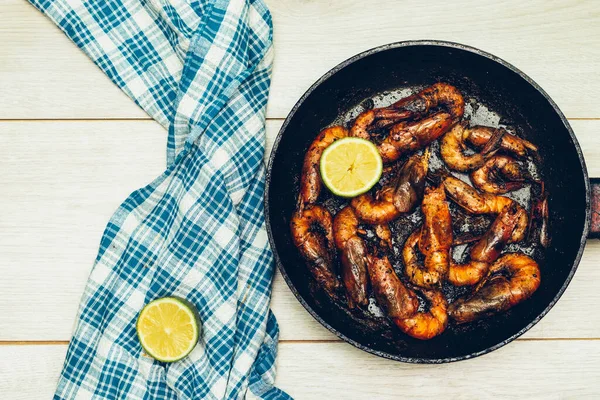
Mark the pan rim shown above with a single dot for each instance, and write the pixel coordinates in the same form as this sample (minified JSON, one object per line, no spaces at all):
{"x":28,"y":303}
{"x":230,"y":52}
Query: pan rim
{"x":453,"y":45}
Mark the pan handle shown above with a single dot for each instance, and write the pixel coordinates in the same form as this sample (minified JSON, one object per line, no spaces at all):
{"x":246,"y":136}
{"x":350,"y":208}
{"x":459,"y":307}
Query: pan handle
{"x":595,"y":225}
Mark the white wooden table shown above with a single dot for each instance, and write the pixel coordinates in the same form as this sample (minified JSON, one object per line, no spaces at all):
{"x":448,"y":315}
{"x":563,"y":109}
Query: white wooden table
{"x":72,"y":146}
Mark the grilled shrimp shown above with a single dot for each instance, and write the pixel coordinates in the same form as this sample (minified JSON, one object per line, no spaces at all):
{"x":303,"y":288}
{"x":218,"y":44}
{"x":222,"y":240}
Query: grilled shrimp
{"x":466,"y":274}
{"x":510,"y":172}
{"x":412,"y":107}
{"x":376,"y":210}
{"x":437,"y":95}
{"x":400,"y":196}
{"x":433,"y":239}
{"x":479,"y":136}
{"x":476,"y":202}
{"x":436,"y":233}
{"x":353,"y":252}
{"x":413,"y":269}
{"x":509,"y":226}
{"x":390,"y":292}
{"x":310,"y":185}
{"x":410,"y":183}
{"x":426,"y":325}
{"x":452,"y":148}
{"x":513,"y":278}
{"x":376,"y":118}
{"x":410,"y":136}
{"x":316,"y":247}
{"x":472,"y":200}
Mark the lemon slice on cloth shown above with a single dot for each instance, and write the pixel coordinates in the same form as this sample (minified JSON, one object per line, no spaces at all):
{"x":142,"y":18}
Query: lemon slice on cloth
{"x":168,"y":328}
{"x":350,"y":166}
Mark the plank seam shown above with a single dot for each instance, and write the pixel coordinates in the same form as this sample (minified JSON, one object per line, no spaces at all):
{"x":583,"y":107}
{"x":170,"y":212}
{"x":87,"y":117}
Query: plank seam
{"x":284,"y":341}
{"x":109,"y":119}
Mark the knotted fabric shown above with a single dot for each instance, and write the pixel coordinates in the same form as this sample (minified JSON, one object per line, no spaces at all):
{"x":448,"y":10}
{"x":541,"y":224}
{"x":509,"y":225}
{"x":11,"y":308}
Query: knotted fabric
{"x":202,"y":70}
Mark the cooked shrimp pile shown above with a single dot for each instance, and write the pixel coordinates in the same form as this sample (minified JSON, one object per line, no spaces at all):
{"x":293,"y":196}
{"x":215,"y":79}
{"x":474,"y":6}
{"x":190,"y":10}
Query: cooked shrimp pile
{"x":349,"y":254}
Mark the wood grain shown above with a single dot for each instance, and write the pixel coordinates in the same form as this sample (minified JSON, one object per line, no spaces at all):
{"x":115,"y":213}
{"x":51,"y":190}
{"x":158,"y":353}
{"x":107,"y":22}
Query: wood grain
{"x":524,"y":369}
{"x":556,"y":42}
{"x":62,"y":181}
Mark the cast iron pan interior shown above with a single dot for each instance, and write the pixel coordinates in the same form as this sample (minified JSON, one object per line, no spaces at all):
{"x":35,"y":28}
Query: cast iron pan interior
{"x":485,"y":81}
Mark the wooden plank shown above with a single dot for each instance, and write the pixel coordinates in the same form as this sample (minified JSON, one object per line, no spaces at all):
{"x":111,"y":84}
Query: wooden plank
{"x":30,"y":372}
{"x":61,"y":181}
{"x":523,"y":369}
{"x":43,"y":75}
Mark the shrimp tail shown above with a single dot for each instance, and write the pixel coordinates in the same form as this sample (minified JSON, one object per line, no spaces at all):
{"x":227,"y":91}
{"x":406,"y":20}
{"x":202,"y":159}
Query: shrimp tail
{"x":532,"y":148}
{"x":354,"y":272}
{"x":539,"y":216}
{"x":465,"y":238}
{"x":510,"y":186}
{"x":438,"y":176}
{"x":493,"y":145}
{"x":410,"y":183}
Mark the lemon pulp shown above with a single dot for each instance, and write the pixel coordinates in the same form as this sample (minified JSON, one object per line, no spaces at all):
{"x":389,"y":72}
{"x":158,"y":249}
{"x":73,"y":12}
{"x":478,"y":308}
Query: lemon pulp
{"x":350,"y":166}
{"x":168,"y":328}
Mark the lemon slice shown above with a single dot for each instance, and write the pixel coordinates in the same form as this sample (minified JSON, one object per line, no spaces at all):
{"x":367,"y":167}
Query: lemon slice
{"x":350,"y":166}
{"x":168,"y":328}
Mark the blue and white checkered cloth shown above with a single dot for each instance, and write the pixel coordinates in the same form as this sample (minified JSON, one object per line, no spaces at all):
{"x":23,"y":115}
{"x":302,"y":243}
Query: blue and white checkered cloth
{"x":201,"y":69}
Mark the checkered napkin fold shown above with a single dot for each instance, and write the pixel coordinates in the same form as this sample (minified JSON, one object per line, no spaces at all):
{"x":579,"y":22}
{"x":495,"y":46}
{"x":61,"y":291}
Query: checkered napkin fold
{"x":201,"y":69}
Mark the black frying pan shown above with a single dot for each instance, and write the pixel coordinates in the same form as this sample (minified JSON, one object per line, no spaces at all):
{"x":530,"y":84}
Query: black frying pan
{"x":485,"y":81}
